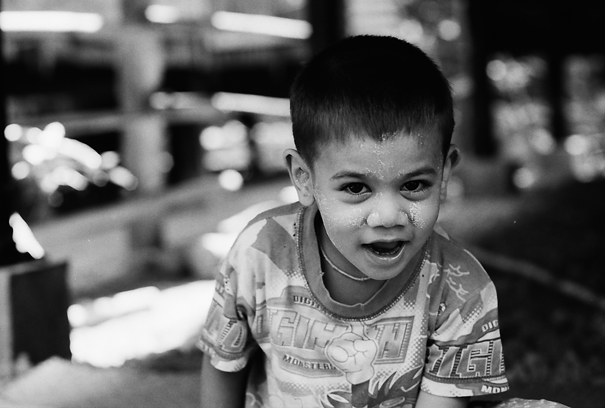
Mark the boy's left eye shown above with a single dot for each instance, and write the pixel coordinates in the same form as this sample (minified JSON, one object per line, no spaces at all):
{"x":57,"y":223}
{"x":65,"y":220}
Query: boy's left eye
{"x":355,"y":188}
{"x":413,"y":185}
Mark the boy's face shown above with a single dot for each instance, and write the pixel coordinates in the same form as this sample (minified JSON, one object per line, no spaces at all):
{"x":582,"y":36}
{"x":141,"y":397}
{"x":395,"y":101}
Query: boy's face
{"x":378,"y":201}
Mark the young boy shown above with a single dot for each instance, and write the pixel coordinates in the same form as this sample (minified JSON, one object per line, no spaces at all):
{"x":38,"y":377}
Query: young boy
{"x":350,"y":298}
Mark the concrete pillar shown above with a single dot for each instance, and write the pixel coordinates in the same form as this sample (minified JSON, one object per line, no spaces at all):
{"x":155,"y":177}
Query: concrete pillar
{"x":140,"y":66}
{"x":140,"y":63}
{"x":144,"y":150}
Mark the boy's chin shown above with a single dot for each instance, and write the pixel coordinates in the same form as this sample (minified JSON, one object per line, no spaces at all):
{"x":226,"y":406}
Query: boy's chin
{"x":405,"y":265}
{"x":384,"y":259}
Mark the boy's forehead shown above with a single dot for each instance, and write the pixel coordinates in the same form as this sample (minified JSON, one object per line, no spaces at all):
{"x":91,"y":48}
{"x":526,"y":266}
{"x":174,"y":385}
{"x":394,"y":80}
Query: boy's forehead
{"x":428,"y":140}
{"x":382,"y":156}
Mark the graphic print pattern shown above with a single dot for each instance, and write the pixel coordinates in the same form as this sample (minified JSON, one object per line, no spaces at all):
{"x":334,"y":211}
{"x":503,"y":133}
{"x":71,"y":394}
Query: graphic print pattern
{"x":440,"y":333}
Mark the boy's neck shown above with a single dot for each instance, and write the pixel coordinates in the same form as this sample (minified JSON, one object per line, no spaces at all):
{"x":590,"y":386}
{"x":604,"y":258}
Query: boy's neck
{"x":342,"y":289}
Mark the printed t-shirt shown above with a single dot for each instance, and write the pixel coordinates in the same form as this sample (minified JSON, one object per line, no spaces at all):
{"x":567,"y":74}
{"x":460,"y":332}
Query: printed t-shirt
{"x":437,"y":331}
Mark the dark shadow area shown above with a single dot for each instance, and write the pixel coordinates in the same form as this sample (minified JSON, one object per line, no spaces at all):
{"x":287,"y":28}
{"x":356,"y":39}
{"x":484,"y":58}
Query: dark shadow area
{"x":552,"y":295}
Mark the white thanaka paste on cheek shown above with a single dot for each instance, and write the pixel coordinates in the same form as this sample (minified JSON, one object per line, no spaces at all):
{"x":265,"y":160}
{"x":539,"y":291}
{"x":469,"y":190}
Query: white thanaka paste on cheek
{"x":416,"y":216}
{"x":337,"y":219}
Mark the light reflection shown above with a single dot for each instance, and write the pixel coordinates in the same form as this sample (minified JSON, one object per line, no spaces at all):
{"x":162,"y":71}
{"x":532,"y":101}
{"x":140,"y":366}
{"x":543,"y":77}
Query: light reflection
{"x":211,"y":138}
{"x":66,"y":176}
{"x":288,"y":195}
{"x":576,"y":145}
{"x":542,"y":141}
{"x":123,"y":178}
{"x":449,"y":30}
{"x":54,"y":160}
{"x":109,"y":159}
{"x":110,"y":331}
{"x":21,"y":170}
{"x":226,"y":147}
{"x":587,"y":154}
{"x":32,"y":135}
{"x":264,"y":105}
{"x":35,"y":154}
{"x":162,"y":14}
{"x":411,"y":30}
{"x":524,"y":178}
{"x":81,"y":153}
{"x":231,"y":180}
{"x":50,"y":21}
{"x":23,"y":237}
{"x":496,"y":70}
{"x":54,"y":134}
{"x":13,"y":132}
{"x":218,"y":243}
{"x":262,"y":24}
{"x":107,"y":307}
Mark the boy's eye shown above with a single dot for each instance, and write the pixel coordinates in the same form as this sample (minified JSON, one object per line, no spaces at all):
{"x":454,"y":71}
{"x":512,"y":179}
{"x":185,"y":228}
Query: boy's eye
{"x":413,"y":186}
{"x":355,"y":188}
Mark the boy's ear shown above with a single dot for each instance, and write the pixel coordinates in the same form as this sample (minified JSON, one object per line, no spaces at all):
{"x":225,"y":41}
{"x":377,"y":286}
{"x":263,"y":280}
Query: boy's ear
{"x":451,"y":161}
{"x":300,"y":175}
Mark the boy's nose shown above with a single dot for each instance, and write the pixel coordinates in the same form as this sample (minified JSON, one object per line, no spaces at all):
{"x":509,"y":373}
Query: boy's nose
{"x":388,"y":213}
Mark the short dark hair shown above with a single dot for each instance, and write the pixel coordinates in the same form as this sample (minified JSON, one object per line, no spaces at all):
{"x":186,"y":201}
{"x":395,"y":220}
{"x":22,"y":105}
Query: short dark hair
{"x":377,"y":85}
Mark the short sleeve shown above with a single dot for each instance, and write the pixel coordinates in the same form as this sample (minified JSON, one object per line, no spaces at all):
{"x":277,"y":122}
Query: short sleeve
{"x":225,"y":336}
{"x":464,"y":356}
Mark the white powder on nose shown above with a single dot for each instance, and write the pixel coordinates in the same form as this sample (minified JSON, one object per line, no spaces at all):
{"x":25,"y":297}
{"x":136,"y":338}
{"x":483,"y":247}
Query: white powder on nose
{"x":375,"y":218}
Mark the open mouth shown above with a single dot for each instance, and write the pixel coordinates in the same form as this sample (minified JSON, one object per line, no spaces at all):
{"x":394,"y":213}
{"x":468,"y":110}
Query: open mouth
{"x":386,"y":249}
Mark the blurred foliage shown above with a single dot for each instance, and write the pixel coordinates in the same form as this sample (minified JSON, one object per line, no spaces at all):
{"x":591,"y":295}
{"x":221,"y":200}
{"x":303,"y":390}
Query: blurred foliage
{"x":57,"y":174}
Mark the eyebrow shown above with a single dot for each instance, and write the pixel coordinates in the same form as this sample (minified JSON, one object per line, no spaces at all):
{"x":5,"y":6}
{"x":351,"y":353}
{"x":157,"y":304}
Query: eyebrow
{"x":423,"y":171}
{"x":348,"y":174}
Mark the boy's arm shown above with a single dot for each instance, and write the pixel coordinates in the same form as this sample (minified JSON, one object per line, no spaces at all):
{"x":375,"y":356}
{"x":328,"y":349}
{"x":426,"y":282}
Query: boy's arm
{"x":222,"y":389}
{"x":426,"y":400}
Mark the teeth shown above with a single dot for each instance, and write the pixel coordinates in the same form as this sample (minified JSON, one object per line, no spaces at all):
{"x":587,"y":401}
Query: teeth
{"x":386,"y":248}
{"x":385,"y":245}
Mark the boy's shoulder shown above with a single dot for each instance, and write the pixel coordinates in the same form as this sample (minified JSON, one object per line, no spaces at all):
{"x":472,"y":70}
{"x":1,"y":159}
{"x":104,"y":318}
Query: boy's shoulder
{"x":278,"y":224}
{"x":444,"y":247}
{"x":455,"y":260}
{"x":285,"y":210}
{"x":271,"y":235}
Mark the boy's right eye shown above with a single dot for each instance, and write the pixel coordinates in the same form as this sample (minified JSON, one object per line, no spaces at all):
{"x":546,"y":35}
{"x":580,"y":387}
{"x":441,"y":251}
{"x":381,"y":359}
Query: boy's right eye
{"x":355,"y":188}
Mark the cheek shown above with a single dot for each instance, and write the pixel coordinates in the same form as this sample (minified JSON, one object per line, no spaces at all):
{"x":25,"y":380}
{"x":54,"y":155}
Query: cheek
{"x":337,"y":216}
{"x":423,"y":215}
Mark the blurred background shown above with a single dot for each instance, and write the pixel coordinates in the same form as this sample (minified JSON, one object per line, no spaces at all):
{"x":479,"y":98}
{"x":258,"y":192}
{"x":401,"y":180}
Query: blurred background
{"x":141,"y":135}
